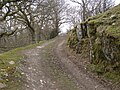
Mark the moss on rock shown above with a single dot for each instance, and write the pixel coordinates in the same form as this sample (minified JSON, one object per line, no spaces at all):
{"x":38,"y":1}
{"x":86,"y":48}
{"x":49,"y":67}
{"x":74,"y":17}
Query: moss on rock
{"x":103,"y":33}
{"x":72,"y":39}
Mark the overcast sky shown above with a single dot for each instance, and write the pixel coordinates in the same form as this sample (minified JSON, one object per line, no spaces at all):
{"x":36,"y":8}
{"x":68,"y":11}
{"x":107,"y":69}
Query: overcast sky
{"x":117,"y":2}
{"x":66,"y":26}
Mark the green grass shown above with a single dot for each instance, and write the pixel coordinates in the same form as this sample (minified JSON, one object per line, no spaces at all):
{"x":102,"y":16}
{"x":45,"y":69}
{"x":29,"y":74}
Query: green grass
{"x":5,"y":68}
{"x":14,"y":55}
{"x":113,"y":31}
{"x":112,"y":76}
{"x":110,"y":19}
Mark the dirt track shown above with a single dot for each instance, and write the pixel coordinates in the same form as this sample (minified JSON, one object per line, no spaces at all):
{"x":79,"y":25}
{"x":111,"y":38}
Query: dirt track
{"x":47,"y":67}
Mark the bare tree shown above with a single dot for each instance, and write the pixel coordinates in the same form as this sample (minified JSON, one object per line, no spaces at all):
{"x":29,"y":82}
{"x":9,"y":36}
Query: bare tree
{"x":93,"y":7}
{"x":6,"y":8}
{"x":73,"y":15}
{"x":39,"y":17}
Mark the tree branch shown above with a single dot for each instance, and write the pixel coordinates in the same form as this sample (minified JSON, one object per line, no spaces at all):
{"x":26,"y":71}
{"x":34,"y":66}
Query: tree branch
{"x":8,"y":34}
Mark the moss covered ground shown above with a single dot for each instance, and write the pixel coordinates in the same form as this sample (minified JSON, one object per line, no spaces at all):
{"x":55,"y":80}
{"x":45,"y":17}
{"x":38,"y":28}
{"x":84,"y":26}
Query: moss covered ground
{"x":110,"y":19}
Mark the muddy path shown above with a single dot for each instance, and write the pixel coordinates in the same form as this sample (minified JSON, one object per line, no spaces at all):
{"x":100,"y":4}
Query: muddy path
{"x":47,"y":67}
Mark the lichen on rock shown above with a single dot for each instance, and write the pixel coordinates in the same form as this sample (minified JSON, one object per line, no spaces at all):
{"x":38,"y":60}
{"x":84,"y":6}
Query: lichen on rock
{"x":103,"y":34}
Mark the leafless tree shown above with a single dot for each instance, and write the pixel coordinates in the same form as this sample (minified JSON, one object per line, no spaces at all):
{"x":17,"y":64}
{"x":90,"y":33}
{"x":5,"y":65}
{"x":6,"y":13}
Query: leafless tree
{"x":73,"y":15}
{"x":93,"y":7}
{"x":41,"y":18}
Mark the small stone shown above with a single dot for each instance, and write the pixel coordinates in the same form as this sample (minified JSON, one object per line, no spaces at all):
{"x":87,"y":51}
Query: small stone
{"x":41,"y":81}
{"x":33,"y":85}
{"x":54,"y":82}
{"x":96,"y":86}
{"x":113,"y":16}
{"x":27,"y":75}
{"x":3,"y":69}
{"x":28,"y":78}
{"x":34,"y":69}
{"x":28,"y":86}
{"x":40,"y":47}
{"x":19,"y":80}
{"x":7,"y":80}
{"x":29,"y":68}
{"x":11,"y":62}
{"x":114,"y":24}
{"x":87,"y":78}
{"x":22,"y":73}
{"x":6,"y":74}
{"x":2,"y":85}
{"x":34,"y":89}
{"x":45,"y":82}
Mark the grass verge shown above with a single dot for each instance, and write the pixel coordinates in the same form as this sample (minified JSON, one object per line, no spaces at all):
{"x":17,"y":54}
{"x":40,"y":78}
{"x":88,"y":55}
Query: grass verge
{"x":112,"y":76}
{"x":9,"y":61}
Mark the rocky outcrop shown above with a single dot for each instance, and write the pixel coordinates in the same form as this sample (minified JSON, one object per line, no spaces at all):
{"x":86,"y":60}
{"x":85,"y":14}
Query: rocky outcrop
{"x":103,"y":34}
{"x":104,"y":37}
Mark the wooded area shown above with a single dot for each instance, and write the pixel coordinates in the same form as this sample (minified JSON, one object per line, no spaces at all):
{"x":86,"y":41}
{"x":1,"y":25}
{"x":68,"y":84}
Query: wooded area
{"x":34,"y":20}
{"x":88,"y":54}
{"x":28,"y":21}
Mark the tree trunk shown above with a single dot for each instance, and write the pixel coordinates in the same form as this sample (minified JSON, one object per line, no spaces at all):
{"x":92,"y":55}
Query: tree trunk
{"x":33,"y":37}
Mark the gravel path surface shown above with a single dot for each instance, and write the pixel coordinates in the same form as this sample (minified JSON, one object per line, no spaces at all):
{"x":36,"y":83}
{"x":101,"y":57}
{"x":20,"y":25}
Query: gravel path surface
{"x":47,"y":67}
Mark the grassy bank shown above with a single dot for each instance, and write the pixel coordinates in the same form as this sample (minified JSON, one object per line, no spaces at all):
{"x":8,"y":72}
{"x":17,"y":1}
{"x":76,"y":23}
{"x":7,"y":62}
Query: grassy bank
{"x":9,"y":62}
{"x":112,"y":76}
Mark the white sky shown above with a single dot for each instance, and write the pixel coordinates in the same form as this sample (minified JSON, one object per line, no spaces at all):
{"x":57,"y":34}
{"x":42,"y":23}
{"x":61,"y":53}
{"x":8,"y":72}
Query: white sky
{"x":65,"y":27}
{"x":117,"y":2}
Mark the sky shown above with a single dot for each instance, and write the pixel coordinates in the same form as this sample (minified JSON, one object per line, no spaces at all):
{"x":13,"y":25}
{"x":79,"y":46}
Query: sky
{"x":65,"y":27}
{"x":117,"y":2}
